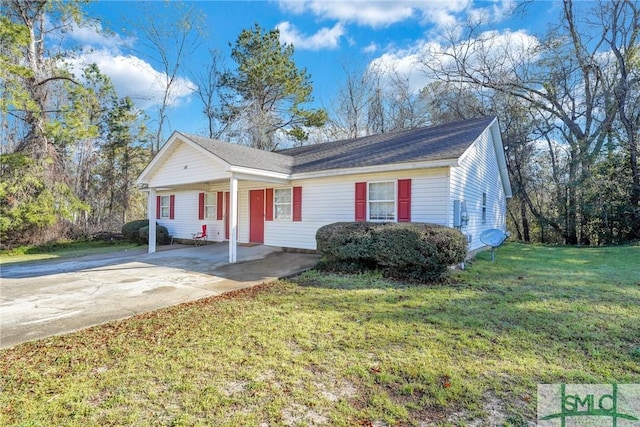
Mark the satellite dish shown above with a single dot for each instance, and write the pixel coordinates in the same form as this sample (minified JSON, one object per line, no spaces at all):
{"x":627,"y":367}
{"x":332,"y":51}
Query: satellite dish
{"x":494,"y":238}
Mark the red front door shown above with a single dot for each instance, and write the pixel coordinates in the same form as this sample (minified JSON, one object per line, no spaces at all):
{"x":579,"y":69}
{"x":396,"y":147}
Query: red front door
{"x":256,"y":216}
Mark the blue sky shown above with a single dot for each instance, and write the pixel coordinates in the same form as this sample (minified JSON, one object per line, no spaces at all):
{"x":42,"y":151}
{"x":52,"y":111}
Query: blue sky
{"x":325,"y":35}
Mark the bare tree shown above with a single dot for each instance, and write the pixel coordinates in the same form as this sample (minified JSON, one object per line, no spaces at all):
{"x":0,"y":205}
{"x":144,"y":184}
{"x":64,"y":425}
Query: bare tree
{"x":172,"y":33}
{"x":559,"y":76}
{"x":208,"y":91}
{"x":406,"y":108}
{"x":377,"y":99}
{"x":351,"y":103}
{"x":622,"y":18}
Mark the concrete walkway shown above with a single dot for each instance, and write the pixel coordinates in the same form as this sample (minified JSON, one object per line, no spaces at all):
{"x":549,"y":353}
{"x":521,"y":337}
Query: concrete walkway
{"x":38,"y":300}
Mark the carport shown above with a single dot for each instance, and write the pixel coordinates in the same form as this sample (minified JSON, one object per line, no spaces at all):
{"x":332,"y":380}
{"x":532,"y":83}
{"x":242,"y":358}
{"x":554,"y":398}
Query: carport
{"x":191,"y":163}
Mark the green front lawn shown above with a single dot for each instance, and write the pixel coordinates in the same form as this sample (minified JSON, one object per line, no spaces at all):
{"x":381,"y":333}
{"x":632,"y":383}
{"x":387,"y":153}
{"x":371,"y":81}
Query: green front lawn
{"x":62,"y":250}
{"x":324,"y":349}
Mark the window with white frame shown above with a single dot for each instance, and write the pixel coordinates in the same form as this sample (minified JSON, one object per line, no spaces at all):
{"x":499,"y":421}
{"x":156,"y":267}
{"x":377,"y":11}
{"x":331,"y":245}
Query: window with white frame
{"x":164,"y":206}
{"x":484,"y":208}
{"x":382,"y":201}
{"x":282,"y":203}
{"x":210,"y":205}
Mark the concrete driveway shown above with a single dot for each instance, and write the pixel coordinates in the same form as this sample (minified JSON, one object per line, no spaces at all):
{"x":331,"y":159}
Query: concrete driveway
{"x":50,"y":298}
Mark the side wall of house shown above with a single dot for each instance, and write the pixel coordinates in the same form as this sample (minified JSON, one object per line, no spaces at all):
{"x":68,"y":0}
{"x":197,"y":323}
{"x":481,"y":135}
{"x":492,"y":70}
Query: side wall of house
{"x":185,"y":222}
{"x":332,"y":199}
{"x":324,"y":201}
{"x":478,"y":173}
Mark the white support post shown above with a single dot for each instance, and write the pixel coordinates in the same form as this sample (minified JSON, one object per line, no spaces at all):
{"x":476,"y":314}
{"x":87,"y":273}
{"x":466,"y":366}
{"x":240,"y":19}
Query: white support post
{"x":151,"y":214}
{"x":233,"y":221}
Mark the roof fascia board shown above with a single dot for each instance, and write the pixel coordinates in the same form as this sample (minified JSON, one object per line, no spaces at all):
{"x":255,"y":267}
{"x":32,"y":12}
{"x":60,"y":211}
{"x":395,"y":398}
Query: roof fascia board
{"x":379,"y":168}
{"x":258,"y":174}
{"x":502,"y":161}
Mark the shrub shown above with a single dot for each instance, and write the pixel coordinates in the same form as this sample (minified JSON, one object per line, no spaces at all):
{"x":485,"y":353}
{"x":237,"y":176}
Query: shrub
{"x":347,"y":243}
{"x":131,"y":230}
{"x":162,"y":234}
{"x":416,"y":251}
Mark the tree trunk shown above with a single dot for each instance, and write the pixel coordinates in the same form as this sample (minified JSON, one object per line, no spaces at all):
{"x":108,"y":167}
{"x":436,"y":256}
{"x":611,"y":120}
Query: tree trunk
{"x":525,"y":222}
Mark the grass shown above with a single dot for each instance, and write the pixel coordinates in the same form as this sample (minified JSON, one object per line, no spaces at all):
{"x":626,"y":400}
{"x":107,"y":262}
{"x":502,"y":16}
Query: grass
{"x":324,"y":349}
{"x":61,"y":250}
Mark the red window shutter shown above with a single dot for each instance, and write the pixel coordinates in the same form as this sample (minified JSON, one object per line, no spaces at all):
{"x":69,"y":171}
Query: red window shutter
{"x":219,"y":206}
{"x":297,"y":203}
{"x":268,"y":199}
{"x":201,"y":206}
{"x":172,"y":206}
{"x":361,"y":201}
{"x":404,"y":200}
{"x":157,"y":207}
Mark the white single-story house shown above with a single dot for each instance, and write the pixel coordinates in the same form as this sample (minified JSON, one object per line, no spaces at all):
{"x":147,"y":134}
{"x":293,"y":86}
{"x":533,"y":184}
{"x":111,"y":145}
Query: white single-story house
{"x":453,"y":174}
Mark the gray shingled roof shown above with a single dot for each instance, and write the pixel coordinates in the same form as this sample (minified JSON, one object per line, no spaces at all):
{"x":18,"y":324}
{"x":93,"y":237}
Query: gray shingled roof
{"x":240,"y":155}
{"x":442,"y":142}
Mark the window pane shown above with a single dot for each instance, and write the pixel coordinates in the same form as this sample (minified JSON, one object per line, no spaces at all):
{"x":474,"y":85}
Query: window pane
{"x":283,"y":211}
{"x":374,"y":191}
{"x":388,"y":188}
{"x":283,"y":195}
{"x":382,"y":211}
{"x":210,"y":205}
{"x":164,"y":206}
{"x":382,"y":205}
{"x":282,"y":203}
{"x":382,"y":191}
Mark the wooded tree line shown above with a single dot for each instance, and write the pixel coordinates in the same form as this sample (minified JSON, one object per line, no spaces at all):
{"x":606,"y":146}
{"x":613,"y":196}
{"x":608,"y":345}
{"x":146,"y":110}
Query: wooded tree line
{"x":71,"y":149}
{"x":567,"y":101}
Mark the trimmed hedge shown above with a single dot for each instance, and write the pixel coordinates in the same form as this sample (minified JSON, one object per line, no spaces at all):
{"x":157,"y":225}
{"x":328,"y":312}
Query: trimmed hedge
{"x":132,"y":232}
{"x":416,"y":251}
{"x":162,"y":235}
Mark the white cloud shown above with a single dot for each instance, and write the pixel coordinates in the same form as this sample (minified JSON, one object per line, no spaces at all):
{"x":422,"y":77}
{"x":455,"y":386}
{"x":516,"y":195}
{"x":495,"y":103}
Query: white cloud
{"x":376,"y":14}
{"x":506,"y":51}
{"x":371,"y":48}
{"x":130,"y":75}
{"x":95,"y":36}
{"x":325,"y":38}
{"x":403,"y":63}
{"x":135,"y":78}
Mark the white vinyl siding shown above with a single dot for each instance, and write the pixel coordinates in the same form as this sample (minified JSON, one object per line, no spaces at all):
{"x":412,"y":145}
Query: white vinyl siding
{"x":186,"y":222}
{"x":185,"y":164}
{"x":282,"y":204}
{"x":478,"y":174}
{"x":324,"y":201}
{"x":382,"y":201}
{"x":332,"y":199}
